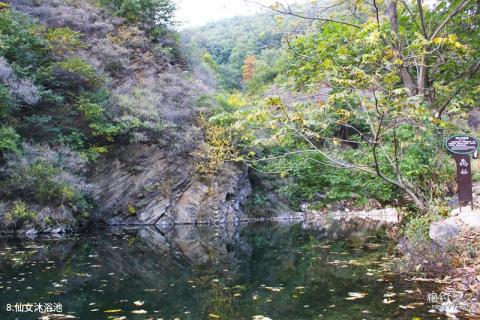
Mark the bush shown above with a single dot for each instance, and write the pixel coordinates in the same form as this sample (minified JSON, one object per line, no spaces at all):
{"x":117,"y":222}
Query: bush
{"x":417,"y":228}
{"x":150,"y":13}
{"x":64,"y":40}
{"x":76,"y":72}
{"x":79,"y":16}
{"x":113,"y":58}
{"x":46,"y":176}
{"x":20,"y":213}
{"x":20,"y":40}
{"x":9,"y":140}
{"x":22,"y":89}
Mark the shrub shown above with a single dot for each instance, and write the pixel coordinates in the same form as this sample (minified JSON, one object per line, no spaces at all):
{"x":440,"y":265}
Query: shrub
{"x":20,"y":40}
{"x":113,"y":58}
{"x":77,"y":70}
{"x":20,"y":214}
{"x":129,"y":37}
{"x":5,"y":100}
{"x":64,"y":40}
{"x":216,"y":150}
{"x":22,"y":89}
{"x":77,"y":15}
{"x":45,"y":175}
{"x":417,"y":228}
{"x":150,"y":13}
{"x":9,"y":140}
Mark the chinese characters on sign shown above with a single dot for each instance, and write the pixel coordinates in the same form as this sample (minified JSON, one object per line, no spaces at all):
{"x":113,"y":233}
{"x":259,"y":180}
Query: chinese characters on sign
{"x":34,"y":307}
{"x":461,"y":146}
{"x":464,"y":178}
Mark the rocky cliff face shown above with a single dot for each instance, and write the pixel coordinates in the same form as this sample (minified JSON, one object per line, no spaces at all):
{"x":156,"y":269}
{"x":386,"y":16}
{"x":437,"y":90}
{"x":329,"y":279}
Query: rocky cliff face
{"x":146,"y":184}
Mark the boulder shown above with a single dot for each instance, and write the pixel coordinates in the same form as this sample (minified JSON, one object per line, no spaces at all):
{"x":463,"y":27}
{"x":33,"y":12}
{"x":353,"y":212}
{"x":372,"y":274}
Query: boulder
{"x":471,"y":219}
{"x":443,"y":231}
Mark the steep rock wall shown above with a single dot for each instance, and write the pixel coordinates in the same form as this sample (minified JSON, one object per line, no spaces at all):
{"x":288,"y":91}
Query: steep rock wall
{"x":145,"y":184}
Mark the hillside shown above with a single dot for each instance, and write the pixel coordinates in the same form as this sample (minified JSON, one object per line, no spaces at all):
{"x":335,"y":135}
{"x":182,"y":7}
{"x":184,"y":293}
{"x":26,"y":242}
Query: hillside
{"x":88,"y":85}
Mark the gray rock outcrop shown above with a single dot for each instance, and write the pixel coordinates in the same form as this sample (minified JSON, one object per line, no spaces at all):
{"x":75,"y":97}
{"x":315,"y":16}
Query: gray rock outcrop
{"x":143,"y":184}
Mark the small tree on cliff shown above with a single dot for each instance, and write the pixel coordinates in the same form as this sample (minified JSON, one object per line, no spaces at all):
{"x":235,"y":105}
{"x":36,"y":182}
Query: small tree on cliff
{"x":150,"y":13}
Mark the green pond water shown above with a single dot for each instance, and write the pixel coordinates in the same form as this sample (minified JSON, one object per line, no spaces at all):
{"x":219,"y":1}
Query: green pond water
{"x":277,"y":271}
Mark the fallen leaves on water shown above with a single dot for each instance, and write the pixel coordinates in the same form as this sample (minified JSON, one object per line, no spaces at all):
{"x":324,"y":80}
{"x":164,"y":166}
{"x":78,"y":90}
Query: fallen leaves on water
{"x":58,"y":316}
{"x":113,"y":311}
{"x":389,"y":295}
{"x":274,"y":289}
{"x":356,"y":295}
{"x":139,"y":311}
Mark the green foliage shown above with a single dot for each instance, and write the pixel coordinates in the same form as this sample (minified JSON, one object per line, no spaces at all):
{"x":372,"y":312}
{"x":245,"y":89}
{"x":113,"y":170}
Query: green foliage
{"x":21,"y":42}
{"x":9,"y":140}
{"x":46,"y":176}
{"x":210,"y":62}
{"x":371,"y":109}
{"x":5,"y":100}
{"x":44,"y":188}
{"x":417,"y":228}
{"x":20,"y":213}
{"x":217,"y":149}
{"x":94,"y":113}
{"x":226,"y":43}
{"x":269,"y":64}
{"x":80,"y":70}
{"x":64,"y":40}
{"x":152,"y":13}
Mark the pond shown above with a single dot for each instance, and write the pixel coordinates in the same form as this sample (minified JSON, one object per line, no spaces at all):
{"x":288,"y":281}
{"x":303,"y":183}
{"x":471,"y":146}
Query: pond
{"x":253,"y":271}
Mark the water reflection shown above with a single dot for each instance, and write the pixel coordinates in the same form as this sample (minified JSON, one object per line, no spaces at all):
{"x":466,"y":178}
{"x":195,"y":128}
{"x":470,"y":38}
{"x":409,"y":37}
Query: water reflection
{"x":280,"y":271}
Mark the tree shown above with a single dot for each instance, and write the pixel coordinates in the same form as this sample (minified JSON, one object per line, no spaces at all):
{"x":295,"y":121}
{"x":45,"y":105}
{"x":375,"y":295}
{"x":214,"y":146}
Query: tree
{"x":248,"y":67}
{"x":150,"y":13}
{"x":399,"y":75}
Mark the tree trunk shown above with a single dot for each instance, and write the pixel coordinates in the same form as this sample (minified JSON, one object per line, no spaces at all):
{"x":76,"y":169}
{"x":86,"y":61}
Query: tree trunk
{"x":407,"y":78}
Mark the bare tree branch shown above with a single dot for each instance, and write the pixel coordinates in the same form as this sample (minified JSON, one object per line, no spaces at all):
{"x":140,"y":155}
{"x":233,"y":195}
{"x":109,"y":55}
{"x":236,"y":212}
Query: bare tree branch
{"x":289,"y":12}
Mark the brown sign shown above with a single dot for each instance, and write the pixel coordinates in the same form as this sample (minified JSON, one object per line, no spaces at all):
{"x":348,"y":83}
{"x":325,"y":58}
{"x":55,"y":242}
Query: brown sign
{"x":464,"y":177}
{"x":461,"y":144}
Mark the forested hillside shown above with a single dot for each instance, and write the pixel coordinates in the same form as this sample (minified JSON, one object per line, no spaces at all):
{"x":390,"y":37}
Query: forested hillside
{"x":225,"y":46}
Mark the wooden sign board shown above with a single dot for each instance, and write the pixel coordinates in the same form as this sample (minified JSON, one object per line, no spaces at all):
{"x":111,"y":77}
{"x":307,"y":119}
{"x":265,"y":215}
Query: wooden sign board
{"x":464,"y":178}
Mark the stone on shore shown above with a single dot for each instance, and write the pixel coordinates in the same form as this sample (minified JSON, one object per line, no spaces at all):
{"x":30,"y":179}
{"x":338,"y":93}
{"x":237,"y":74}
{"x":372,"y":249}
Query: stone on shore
{"x":443,"y":231}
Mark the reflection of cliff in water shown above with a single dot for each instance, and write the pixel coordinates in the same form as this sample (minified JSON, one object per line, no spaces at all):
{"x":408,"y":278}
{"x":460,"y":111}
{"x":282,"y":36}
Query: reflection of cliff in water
{"x":187,"y":246}
{"x":344,"y":227}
